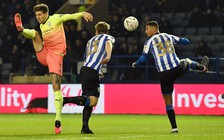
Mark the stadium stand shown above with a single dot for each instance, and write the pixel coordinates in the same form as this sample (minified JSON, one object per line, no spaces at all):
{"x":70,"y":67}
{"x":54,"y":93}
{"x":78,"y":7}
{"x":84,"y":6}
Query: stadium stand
{"x":216,"y":31}
{"x":203,"y":31}
{"x":179,"y":19}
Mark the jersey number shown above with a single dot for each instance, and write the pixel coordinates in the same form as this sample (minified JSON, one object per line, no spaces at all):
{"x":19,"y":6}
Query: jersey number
{"x":165,"y":48}
{"x":95,"y":46}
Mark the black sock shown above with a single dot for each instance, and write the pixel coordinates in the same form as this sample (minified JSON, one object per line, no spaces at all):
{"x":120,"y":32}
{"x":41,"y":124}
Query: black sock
{"x":79,"y":100}
{"x":172,"y":118}
{"x":87,"y":111}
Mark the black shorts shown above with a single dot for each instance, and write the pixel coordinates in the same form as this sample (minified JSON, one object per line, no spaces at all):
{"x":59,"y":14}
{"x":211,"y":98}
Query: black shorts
{"x":90,"y":82}
{"x":168,"y":77}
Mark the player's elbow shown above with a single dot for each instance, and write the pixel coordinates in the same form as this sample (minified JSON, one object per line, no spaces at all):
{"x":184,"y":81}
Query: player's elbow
{"x":184,"y":41}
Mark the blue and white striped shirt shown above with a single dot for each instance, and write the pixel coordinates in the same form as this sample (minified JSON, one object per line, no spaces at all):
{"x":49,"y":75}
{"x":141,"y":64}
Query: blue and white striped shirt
{"x":161,"y":46}
{"x":97,"y":51}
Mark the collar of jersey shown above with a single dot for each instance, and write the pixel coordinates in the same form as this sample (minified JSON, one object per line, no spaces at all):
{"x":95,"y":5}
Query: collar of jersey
{"x":46,"y":19}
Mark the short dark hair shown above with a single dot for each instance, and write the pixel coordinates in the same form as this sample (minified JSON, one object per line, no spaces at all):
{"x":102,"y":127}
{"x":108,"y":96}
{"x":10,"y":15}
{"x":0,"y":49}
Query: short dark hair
{"x":102,"y":27}
{"x":153,"y":23}
{"x":41,"y":7}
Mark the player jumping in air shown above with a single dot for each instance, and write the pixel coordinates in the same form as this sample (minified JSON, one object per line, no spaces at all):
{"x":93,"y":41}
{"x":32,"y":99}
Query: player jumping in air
{"x":169,"y":66}
{"x":51,"y":50}
{"x":98,"y":52}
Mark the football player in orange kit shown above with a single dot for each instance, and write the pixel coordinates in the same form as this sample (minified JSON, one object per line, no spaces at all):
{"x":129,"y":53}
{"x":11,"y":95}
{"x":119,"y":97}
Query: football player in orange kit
{"x":51,"y":50}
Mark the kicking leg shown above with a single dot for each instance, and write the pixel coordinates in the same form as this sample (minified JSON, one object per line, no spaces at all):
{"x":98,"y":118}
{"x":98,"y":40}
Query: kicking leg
{"x":203,"y":66}
{"x":29,"y":33}
{"x":88,"y":103}
{"x":79,"y":100}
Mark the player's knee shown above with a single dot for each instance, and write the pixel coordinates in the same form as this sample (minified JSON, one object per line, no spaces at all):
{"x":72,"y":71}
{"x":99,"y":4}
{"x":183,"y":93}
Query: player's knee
{"x":56,"y":87}
{"x":93,"y":101}
{"x":188,"y":60}
{"x":168,"y":99}
{"x":56,"y":81}
{"x":184,"y":63}
{"x":168,"y":102}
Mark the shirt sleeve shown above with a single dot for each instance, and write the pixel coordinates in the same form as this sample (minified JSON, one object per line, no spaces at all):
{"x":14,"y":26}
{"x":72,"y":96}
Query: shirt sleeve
{"x":67,"y":17}
{"x":111,"y":38}
{"x":147,"y":46}
{"x":175,"y":39}
{"x":178,"y":40}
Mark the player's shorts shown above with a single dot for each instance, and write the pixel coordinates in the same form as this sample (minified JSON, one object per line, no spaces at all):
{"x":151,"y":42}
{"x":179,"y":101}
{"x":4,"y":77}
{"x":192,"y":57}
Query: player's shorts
{"x":52,"y":60}
{"x":168,"y":77}
{"x":90,"y":82}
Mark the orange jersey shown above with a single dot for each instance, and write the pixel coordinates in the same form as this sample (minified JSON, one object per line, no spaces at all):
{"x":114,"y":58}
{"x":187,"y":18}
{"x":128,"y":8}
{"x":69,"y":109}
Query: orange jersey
{"x":53,"y":32}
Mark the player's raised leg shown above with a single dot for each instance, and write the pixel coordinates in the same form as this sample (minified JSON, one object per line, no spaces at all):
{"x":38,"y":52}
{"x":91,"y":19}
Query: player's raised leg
{"x":88,"y":103}
{"x":19,"y":26}
{"x":28,"y":33}
{"x":203,"y":66}
{"x":18,"y":22}
{"x":79,"y":100}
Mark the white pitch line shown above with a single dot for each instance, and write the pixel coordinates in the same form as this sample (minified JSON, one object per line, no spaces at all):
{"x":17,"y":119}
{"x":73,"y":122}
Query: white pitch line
{"x":96,"y":137}
{"x":159,"y":136}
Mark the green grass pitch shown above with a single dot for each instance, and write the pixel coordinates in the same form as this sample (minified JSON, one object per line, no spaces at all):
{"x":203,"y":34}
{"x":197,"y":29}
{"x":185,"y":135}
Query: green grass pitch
{"x":111,"y":127}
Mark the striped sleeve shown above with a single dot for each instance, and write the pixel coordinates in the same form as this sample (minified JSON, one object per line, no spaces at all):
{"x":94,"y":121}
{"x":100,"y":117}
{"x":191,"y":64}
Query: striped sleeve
{"x":175,"y":39}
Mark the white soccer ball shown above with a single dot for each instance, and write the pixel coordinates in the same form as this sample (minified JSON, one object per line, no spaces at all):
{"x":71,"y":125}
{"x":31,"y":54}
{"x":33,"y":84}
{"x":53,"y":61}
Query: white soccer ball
{"x":131,"y":23}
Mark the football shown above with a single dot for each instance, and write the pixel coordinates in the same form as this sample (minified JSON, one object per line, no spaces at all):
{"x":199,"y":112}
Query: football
{"x":131,"y":23}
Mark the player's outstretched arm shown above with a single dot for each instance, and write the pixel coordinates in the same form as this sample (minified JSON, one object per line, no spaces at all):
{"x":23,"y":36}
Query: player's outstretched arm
{"x":75,"y":16}
{"x":183,"y":41}
{"x":140,"y":60}
{"x":180,"y":40}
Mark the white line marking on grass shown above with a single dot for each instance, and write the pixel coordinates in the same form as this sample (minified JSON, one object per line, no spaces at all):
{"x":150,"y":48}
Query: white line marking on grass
{"x":133,"y":136}
{"x":157,"y":136}
{"x":203,"y":135}
{"x":84,"y":138}
{"x":99,"y":137}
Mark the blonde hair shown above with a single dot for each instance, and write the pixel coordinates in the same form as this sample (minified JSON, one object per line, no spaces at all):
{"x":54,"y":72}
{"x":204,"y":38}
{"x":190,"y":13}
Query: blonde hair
{"x":102,"y":27}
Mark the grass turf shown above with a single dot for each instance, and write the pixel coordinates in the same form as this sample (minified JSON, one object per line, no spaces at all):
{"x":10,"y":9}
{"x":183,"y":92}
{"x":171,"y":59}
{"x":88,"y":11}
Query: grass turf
{"x":112,"y":127}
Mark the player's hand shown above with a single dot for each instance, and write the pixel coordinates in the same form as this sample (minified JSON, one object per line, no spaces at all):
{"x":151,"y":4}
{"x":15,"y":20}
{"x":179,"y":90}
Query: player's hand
{"x":101,"y":75}
{"x":87,"y":16}
{"x":133,"y":65}
{"x":104,"y":61}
